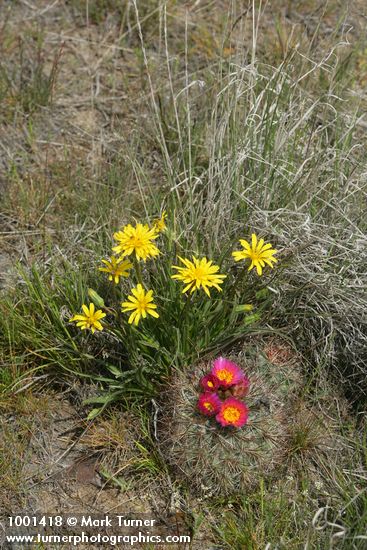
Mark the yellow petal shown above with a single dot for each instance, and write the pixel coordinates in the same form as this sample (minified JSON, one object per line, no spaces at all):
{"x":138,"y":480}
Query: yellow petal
{"x":132,"y":317}
{"x":245,"y":244}
{"x":78,"y":318}
{"x":127,"y":306}
{"x":253,"y":241}
{"x":153,"y":313}
{"x":206,"y":290}
{"x":259,"y":245}
{"x":99,"y":315}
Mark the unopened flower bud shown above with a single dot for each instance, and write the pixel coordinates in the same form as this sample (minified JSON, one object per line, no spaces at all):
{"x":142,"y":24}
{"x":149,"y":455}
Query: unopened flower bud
{"x":96,"y":298}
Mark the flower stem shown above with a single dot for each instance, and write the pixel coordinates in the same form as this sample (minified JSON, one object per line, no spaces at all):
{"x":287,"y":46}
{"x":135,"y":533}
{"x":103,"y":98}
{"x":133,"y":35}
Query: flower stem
{"x":138,"y":271}
{"x":236,"y":281}
{"x":184,"y":315}
{"x":186,"y":305}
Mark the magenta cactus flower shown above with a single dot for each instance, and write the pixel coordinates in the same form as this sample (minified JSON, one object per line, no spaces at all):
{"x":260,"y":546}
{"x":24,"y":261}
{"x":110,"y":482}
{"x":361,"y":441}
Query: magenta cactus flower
{"x":209,"y":403}
{"x":210,"y":382}
{"x":233,"y":413}
{"x":228,"y":373}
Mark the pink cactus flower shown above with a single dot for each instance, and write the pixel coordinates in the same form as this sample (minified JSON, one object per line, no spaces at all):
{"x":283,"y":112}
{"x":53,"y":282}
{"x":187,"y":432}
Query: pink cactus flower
{"x":210,"y":382}
{"x":228,"y":373}
{"x":233,"y":413}
{"x":209,"y":403}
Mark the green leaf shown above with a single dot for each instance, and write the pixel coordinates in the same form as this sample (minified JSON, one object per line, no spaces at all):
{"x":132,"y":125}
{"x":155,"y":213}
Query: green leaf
{"x":94,"y":413}
{"x":115,"y":371}
{"x":262,"y":294}
{"x":251,"y":319}
{"x":149,"y":343}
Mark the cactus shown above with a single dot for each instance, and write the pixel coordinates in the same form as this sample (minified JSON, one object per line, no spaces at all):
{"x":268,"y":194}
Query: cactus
{"x":228,"y":460}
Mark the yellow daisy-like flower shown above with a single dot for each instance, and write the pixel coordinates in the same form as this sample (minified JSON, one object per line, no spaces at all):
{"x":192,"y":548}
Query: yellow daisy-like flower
{"x":160,"y":224}
{"x":90,"y":319}
{"x":199,"y":273}
{"x":116,"y":268}
{"x":258,"y":252}
{"x":140,"y":303}
{"x":136,"y":240}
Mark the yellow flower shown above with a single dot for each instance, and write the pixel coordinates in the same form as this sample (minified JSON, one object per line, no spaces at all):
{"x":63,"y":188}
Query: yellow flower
{"x":258,"y":252}
{"x":160,"y":225}
{"x":199,"y":273}
{"x":136,"y":240}
{"x":90,"y":319}
{"x":140,"y":304}
{"x":116,"y":267}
